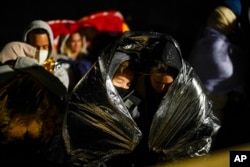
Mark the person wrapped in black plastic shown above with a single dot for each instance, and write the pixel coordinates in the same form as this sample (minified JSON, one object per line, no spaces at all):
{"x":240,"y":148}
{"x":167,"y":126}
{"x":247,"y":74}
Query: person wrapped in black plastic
{"x":98,"y":124}
{"x":99,"y":128}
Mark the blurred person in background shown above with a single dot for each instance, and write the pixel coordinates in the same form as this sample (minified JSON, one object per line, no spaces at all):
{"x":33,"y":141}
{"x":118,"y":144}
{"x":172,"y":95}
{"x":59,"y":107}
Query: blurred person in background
{"x":216,"y":59}
{"x":73,"y":55}
{"x":166,"y":86}
{"x":221,"y":65}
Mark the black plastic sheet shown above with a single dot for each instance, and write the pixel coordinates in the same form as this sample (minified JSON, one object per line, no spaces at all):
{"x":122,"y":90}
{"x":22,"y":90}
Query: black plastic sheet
{"x":98,"y":125}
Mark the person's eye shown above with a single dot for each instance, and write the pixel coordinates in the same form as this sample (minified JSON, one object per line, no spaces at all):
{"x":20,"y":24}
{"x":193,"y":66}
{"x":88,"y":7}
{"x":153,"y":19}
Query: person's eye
{"x":119,"y":81}
{"x":46,"y":47}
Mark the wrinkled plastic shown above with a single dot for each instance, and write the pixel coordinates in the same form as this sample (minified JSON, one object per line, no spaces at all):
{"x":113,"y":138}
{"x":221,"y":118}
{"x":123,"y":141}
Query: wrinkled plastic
{"x":104,"y":121}
{"x":98,"y":125}
{"x":184,"y":123}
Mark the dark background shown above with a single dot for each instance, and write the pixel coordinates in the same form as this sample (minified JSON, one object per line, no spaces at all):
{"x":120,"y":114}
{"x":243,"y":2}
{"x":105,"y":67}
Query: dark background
{"x":182,"y":19}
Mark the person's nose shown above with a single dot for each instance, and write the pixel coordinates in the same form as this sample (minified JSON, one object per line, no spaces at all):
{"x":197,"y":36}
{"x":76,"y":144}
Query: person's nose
{"x":125,"y":86}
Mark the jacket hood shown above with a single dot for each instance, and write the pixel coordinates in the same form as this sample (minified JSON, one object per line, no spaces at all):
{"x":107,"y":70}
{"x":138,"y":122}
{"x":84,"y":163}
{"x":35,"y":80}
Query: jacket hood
{"x":13,"y":50}
{"x":43,"y":25}
{"x":118,"y":58}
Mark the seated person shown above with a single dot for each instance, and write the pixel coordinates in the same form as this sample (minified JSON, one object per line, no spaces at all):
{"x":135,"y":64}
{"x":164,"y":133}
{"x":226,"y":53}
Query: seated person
{"x":175,"y":115}
{"x":123,"y":80}
{"x":175,"y":120}
{"x":73,"y":55}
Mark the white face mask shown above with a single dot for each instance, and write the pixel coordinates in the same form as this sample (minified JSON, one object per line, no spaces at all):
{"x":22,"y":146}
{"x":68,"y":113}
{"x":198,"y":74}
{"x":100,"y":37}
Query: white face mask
{"x":42,"y":56}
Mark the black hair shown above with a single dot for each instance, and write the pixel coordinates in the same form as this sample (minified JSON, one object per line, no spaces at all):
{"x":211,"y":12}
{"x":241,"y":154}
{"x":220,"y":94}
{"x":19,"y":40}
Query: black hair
{"x":36,"y":31}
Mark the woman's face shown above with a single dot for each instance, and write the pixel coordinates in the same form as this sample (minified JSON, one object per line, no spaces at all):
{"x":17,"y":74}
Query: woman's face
{"x":124,"y":79}
{"x":161,"y":82}
{"x":75,"y":43}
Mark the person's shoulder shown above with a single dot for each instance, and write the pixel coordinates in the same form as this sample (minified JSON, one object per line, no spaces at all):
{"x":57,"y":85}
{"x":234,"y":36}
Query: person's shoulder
{"x":60,"y":56}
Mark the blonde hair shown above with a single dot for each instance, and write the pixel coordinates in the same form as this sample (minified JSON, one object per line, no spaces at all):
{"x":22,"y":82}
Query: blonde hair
{"x":222,"y":19}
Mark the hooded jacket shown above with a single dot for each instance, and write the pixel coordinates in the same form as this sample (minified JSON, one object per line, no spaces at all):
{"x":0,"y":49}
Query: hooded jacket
{"x":60,"y":72}
{"x":183,"y":124}
{"x":37,"y":24}
{"x":118,"y":58}
{"x":76,"y":67}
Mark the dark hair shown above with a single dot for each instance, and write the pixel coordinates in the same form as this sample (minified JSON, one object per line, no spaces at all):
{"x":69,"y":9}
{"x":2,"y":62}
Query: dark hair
{"x":70,"y":37}
{"x":126,"y":65}
{"x":34,"y":32}
{"x":161,"y":68}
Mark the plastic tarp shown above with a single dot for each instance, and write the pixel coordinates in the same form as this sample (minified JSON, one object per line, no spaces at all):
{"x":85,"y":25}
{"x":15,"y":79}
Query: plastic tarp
{"x":98,"y":125}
